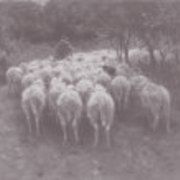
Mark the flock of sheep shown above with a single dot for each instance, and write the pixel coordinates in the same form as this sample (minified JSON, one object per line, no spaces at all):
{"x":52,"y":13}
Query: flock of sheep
{"x":85,"y":86}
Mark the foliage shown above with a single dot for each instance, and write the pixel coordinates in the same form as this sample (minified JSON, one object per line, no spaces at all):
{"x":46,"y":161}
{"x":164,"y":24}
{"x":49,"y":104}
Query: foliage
{"x":125,"y":24}
{"x":63,"y":49}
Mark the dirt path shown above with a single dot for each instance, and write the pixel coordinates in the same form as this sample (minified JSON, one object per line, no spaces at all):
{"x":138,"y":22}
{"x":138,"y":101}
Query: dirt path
{"x":136,"y":154}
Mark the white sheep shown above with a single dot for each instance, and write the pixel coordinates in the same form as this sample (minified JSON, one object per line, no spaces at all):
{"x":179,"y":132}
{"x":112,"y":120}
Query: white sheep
{"x":33,"y":102}
{"x":24,"y":67}
{"x":46,"y":75}
{"x":124,"y":69}
{"x":165,"y":56}
{"x":28,"y":79}
{"x":85,"y":87}
{"x":100,"y":111}
{"x":56,"y":71}
{"x":56,"y":88}
{"x":138,"y":57}
{"x":138,"y":82}
{"x":66,"y":77}
{"x":33,"y":66}
{"x":13,"y":77}
{"x":69,"y":110}
{"x":79,"y":75}
{"x":156,"y":99}
{"x":104,"y":79}
{"x":121,"y":88}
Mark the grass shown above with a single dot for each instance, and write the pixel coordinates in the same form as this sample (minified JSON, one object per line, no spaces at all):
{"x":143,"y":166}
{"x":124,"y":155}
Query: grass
{"x":136,"y":153}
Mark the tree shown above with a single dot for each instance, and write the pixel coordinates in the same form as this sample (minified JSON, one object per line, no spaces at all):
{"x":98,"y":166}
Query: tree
{"x":63,"y":49}
{"x":28,"y":20}
{"x":116,"y":22}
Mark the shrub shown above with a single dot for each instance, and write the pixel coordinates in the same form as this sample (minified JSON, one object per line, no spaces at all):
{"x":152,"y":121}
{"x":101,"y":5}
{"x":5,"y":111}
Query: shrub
{"x":63,"y":49}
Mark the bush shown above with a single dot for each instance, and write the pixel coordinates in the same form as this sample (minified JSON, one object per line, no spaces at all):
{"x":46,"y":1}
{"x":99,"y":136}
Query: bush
{"x":63,"y":49}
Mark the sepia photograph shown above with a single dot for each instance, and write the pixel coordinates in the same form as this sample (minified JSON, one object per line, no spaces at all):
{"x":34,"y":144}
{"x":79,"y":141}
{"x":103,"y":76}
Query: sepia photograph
{"x":89,"y":90}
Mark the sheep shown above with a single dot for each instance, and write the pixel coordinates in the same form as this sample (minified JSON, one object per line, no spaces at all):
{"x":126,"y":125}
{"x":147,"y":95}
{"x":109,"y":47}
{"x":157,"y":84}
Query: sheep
{"x":165,"y":57}
{"x":46,"y":62}
{"x":56,"y":88}
{"x":46,"y":75}
{"x":33,"y":66}
{"x":24,"y":67}
{"x":28,"y":79}
{"x":138,"y":57}
{"x":33,"y":102}
{"x":80,"y":75}
{"x":156,"y":98}
{"x":138,"y":82}
{"x":84,"y":87}
{"x":13,"y":77}
{"x":69,"y":110}
{"x":100,"y":111}
{"x":66,"y":77}
{"x":125,"y":70}
{"x":121,"y":88}
{"x":104,"y":79}
{"x":56,"y":71}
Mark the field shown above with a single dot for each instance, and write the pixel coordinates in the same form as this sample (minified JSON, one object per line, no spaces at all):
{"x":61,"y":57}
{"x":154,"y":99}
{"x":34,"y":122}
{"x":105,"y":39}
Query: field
{"x":136,"y":152}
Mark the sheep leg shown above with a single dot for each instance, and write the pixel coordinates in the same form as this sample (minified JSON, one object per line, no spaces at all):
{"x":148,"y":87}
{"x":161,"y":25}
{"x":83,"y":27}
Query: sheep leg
{"x":55,"y":114}
{"x":9,"y":88}
{"x":168,"y":129}
{"x":37,"y":125}
{"x":17,"y":90}
{"x":119,"y":109}
{"x":107,"y":132}
{"x":37,"y":118}
{"x":75,"y":129}
{"x":56,"y":117}
{"x":167,"y":117}
{"x":28,"y":118}
{"x":126,"y":99}
{"x":64,"y":134}
{"x":13,"y":88}
{"x":155,"y":122}
{"x":29,"y":123}
{"x":96,"y":134}
{"x":63,"y":125}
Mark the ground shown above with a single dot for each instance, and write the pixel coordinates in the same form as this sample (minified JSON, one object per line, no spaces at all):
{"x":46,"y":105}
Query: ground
{"x":135,"y":153}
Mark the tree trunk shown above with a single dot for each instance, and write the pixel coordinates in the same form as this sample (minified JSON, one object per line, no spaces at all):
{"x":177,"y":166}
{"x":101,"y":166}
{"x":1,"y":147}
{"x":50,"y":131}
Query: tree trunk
{"x":127,"y":39}
{"x":126,"y":54}
{"x":152,"y":58}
